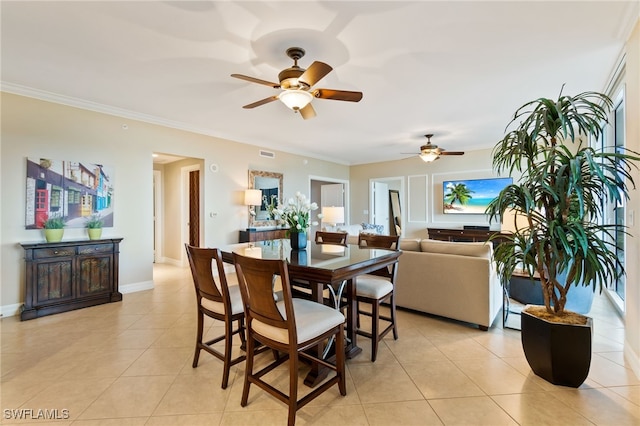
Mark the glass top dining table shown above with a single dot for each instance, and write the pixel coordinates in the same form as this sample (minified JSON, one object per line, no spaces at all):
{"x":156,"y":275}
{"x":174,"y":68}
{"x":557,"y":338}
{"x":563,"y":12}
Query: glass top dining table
{"x":321,"y":265}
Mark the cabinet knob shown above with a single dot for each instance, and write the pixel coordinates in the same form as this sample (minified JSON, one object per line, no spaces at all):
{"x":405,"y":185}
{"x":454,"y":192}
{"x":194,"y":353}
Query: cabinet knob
{"x":55,"y":252}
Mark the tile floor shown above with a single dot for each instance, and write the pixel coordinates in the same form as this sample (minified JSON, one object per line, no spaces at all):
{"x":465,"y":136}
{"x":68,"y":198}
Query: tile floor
{"x":129,"y":363}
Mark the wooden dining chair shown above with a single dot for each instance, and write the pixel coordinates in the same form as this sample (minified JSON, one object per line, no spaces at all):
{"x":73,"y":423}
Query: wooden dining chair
{"x":376,"y":288}
{"x":218,"y":301}
{"x":291,"y":326}
{"x":337,"y":238}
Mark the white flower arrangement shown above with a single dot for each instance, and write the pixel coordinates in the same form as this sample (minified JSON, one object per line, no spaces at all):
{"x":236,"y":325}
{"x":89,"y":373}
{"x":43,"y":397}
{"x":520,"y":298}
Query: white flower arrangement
{"x":296,"y":213}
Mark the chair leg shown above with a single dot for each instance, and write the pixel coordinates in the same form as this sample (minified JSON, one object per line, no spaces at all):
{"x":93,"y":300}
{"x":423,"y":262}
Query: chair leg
{"x":228,"y":336}
{"x":393,"y":317}
{"x":293,"y":386}
{"x":340,"y":361}
{"x":242,"y":331}
{"x":375,"y":337}
{"x":248,"y":371}
{"x":196,"y":355}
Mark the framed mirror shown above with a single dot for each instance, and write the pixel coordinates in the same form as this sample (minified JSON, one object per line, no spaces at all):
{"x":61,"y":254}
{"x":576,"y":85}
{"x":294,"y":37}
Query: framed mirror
{"x":270,"y":184}
{"x":396,"y":213}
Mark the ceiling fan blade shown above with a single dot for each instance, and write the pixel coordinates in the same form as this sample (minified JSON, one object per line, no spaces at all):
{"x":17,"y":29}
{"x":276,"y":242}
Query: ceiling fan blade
{"x":451,"y":153}
{"x":308,"y":112}
{"x":256,"y":80}
{"x":337,"y":95}
{"x":261,"y":102}
{"x":314,"y":73}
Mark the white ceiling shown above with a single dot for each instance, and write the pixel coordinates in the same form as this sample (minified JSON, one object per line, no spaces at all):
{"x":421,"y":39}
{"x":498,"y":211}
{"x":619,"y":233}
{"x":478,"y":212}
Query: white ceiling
{"x":455,"y":69}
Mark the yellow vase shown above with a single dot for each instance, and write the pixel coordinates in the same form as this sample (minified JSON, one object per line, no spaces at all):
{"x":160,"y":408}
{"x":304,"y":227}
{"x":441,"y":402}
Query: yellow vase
{"x":94,"y":233}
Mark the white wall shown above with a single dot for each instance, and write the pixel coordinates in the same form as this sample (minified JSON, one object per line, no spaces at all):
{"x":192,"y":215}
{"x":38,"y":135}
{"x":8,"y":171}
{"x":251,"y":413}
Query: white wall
{"x":34,"y":128}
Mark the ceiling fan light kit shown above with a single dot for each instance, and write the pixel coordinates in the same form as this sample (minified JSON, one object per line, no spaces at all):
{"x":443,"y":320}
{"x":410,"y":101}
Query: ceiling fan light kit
{"x":296,"y":84}
{"x":429,"y":153}
{"x":295,"y":99}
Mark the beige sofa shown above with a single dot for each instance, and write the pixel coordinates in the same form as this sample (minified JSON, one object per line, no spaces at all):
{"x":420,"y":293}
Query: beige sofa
{"x":451,"y":279}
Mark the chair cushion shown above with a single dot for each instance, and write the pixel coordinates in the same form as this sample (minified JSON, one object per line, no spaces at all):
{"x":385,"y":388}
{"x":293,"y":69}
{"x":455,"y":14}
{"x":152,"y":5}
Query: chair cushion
{"x":312,"y":319}
{"x":373,"y":286}
{"x":218,"y":308}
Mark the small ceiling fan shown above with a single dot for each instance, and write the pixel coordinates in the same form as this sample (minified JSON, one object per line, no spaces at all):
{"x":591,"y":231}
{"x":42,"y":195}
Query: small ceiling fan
{"x":296,"y":83}
{"x":429,"y":152}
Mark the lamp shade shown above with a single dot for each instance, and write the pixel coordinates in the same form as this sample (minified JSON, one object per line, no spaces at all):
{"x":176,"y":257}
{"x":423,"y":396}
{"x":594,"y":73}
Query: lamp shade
{"x":295,"y":99}
{"x":333,"y":215}
{"x":252,"y":197}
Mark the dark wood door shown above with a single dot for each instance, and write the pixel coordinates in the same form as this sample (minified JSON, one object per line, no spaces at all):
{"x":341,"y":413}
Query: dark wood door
{"x":194,"y":208}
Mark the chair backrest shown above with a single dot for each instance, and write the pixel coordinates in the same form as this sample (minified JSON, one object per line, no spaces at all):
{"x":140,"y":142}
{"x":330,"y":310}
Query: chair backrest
{"x":379,"y":241}
{"x":324,"y":237}
{"x":201,"y":261}
{"x":256,"y":278}
{"x":385,"y":242}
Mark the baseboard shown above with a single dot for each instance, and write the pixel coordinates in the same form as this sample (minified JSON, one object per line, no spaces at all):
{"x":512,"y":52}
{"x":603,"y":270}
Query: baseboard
{"x":170,"y":261}
{"x":632,"y":358}
{"x":134,"y":287}
{"x":10,"y":310}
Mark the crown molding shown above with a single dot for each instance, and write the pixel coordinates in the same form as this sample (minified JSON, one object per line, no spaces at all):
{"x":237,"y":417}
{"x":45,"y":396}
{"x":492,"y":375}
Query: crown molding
{"x":43,"y":95}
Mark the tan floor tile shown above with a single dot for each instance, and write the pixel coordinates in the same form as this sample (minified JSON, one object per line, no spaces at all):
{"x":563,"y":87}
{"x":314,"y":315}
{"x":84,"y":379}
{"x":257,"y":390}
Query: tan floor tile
{"x":609,"y":373}
{"x":135,"y":339}
{"x":407,"y":413}
{"x":541,"y":408}
{"x":383,"y":383}
{"x":103,"y":363}
{"x":442,"y":379}
{"x":72,"y":395}
{"x":352,"y":415}
{"x":129,"y":397}
{"x":631,"y":393}
{"x":601,"y":406}
{"x":495,"y":376}
{"x":461,"y":347}
{"x":186,"y":420}
{"x":471,"y":411}
{"x":193,"y":395}
{"x":159,"y":361}
{"x":274,"y":417}
{"x":130,"y":421}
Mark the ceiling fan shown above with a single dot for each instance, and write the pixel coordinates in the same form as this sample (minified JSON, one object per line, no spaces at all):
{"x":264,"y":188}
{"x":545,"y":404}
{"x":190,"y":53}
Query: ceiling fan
{"x":429,"y":152}
{"x":296,"y":83}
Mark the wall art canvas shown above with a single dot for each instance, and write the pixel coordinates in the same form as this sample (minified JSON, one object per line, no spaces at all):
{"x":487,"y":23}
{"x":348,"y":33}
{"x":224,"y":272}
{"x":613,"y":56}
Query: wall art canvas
{"x":471,"y":196}
{"x":72,"y":190}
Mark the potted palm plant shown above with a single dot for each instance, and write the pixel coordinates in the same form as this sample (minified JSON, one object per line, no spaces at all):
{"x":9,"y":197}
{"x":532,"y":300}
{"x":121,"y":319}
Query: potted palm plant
{"x":557,"y":203}
{"x":53,"y":228}
{"x":94,"y":225}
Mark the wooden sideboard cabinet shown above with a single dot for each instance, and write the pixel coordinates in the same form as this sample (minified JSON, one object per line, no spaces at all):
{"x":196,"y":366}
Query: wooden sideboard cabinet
{"x":69,"y":275}
{"x":252,"y":235}
{"x":469,"y":235}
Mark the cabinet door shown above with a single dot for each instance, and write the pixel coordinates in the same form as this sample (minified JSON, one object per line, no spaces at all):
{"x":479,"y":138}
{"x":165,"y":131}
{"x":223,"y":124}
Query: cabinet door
{"x":95,"y":275}
{"x":54,"y":280}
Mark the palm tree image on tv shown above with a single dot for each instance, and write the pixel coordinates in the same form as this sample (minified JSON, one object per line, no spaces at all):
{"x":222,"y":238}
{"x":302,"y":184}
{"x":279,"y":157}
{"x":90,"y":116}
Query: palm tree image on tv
{"x":458,"y":192}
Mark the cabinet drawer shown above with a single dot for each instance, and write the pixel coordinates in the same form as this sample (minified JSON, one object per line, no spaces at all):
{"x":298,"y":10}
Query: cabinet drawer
{"x":95,"y":248}
{"x":53,"y":252}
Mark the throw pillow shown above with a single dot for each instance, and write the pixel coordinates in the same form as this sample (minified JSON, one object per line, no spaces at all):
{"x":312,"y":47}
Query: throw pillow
{"x":371,"y":228}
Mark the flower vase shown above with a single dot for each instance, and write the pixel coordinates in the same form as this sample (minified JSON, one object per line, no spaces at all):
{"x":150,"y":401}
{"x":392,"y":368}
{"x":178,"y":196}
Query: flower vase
{"x":298,"y":240}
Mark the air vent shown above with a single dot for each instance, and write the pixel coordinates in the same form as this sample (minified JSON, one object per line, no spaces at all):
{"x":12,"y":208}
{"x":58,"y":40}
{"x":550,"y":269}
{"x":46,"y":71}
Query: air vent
{"x":267,"y":154}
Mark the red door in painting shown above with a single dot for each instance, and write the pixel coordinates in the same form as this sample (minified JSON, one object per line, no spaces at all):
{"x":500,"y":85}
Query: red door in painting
{"x":42,"y":206}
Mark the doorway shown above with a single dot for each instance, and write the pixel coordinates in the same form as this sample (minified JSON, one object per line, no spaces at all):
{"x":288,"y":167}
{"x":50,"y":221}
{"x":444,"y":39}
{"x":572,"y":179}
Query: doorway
{"x":385,"y":198}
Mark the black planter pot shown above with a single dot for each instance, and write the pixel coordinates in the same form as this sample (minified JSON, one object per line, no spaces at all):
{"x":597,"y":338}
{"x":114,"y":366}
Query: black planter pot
{"x":559,"y":353}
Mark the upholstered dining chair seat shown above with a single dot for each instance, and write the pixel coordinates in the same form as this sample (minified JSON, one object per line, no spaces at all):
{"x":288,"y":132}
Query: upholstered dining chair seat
{"x":218,"y":308}
{"x":312,"y":319}
{"x":373,"y":286}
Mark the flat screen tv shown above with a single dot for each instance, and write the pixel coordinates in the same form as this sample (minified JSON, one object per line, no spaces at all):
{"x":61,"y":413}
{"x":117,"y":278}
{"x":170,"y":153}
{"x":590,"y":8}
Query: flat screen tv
{"x":471,"y":196}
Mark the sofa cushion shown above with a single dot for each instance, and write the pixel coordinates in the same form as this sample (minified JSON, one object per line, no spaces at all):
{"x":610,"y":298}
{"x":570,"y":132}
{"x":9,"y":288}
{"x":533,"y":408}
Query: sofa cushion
{"x":480,"y":249}
{"x":410,"y":244}
{"x":371,"y":228}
